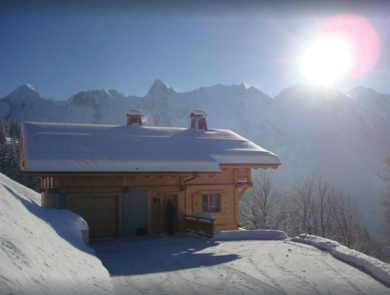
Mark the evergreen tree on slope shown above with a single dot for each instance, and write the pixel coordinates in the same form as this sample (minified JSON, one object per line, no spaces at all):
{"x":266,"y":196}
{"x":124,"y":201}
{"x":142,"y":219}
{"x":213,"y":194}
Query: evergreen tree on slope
{"x":14,"y":129}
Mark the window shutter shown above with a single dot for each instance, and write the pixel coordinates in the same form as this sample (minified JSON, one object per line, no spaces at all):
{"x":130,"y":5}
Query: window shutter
{"x":196,"y":203}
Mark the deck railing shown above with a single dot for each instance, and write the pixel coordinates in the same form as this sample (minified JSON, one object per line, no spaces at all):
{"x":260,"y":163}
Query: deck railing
{"x":202,"y":226}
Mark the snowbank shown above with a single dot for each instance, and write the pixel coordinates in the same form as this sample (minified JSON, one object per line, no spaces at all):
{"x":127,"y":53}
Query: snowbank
{"x":373,"y":266}
{"x":241,"y":235}
{"x":42,"y":251}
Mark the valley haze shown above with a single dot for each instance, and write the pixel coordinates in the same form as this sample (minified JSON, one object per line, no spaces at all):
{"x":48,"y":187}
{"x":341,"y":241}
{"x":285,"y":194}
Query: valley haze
{"x":315,"y":130}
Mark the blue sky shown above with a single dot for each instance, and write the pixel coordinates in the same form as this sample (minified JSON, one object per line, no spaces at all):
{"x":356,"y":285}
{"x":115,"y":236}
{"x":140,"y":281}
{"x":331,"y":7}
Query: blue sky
{"x":62,"y":49}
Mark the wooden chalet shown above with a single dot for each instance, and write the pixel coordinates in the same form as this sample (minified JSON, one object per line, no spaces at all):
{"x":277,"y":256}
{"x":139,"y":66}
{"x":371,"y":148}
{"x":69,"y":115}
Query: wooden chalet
{"x":120,"y":178}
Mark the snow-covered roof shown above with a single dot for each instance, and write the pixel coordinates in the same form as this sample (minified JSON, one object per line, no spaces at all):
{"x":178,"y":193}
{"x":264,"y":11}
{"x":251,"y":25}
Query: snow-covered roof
{"x":50,"y":147}
{"x":135,"y":113}
{"x":200,"y":113}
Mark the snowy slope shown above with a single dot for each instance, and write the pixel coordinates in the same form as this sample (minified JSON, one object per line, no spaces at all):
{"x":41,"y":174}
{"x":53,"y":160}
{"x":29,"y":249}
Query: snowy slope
{"x":231,"y":263}
{"x":308,"y":127}
{"x":374,"y":267}
{"x":42,"y":251}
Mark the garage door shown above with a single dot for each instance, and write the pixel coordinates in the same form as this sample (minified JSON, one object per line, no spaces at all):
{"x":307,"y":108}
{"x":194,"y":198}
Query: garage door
{"x":134,"y":212}
{"x":101,"y":214}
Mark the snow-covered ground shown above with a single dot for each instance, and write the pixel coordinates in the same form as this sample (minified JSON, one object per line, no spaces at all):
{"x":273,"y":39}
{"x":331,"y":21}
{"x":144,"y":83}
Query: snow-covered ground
{"x":375,"y":267}
{"x":42,"y":251}
{"x":185,"y":264}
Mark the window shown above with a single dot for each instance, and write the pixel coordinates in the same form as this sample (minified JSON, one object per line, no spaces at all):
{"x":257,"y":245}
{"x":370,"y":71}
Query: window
{"x":210,"y":202}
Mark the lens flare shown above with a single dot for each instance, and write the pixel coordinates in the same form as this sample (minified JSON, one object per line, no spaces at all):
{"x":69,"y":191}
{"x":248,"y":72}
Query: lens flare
{"x":347,"y":47}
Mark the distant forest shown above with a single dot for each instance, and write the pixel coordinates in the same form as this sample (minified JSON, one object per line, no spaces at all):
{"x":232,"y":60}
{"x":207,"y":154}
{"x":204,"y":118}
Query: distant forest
{"x":9,"y":154}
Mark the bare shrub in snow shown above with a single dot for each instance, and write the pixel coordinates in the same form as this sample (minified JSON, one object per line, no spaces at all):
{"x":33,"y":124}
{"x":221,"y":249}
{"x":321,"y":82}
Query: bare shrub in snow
{"x":258,"y":207}
{"x":385,"y":200}
{"x":310,"y":206}
{"x":347,"y":228}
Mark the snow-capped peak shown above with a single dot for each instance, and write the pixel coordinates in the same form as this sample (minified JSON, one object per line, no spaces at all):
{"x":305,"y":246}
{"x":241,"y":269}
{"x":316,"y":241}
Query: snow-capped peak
{"x":25,"y":92}
{"x":159,"y":87}
{"x":29,"y":86}
{"x":115,"y":93}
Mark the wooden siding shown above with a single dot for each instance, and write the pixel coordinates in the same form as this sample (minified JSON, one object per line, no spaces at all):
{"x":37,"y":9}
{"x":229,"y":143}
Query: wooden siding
{"x":84,"y":190}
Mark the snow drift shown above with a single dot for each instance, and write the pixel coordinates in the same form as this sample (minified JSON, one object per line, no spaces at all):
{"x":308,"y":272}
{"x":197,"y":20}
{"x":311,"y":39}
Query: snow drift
{"x":250,"y":235}
{"x":42,"y":251}
{"x":373,"y":266}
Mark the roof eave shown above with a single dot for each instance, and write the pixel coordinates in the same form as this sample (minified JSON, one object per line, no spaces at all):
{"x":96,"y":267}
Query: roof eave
{"x":118,"y":173}
{"x":253,"y":166}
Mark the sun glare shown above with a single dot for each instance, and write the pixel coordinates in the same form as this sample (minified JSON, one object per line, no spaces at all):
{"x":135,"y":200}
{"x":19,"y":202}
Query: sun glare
{"x":326,"y":60}
{"x":347,"y":47}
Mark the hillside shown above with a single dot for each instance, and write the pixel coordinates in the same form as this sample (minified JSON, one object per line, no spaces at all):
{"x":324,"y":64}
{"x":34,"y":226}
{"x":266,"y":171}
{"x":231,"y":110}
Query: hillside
{"x":42,"y":251}
{"x":315,"y":130}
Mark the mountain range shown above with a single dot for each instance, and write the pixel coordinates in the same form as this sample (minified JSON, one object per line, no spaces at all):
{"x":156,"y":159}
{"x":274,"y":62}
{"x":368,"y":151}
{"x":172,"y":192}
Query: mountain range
{"x":317,"y":130}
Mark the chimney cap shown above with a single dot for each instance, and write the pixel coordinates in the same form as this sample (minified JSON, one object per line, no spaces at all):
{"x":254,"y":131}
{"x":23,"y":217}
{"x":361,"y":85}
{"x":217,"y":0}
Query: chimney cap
{"x":198,"y":113}
{"x":134,"y":113}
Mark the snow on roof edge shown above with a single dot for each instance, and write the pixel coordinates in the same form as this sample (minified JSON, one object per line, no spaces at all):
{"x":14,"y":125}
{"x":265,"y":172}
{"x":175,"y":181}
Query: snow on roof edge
{"x":134,"y":113}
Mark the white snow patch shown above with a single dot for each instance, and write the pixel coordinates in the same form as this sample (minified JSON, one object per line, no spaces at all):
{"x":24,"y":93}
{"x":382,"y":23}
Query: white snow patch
{"x":242,"y":235}
{"x":373,"y":266}
{"x":201,"y":113}
{"x":41,"y":249}
{"x":134,"y":113}
{"x":207,"y":215}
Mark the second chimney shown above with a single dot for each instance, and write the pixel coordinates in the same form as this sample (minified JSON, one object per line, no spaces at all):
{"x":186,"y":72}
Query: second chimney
{"x":134,"y":116}
{"x":198,"y":119}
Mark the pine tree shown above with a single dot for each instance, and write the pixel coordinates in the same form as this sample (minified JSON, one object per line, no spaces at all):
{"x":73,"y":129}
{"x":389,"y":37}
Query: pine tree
{"x":3,"y":132}
{"x":14,"y":129}
{"x":11,"y":163}
{"x":3,"y":157}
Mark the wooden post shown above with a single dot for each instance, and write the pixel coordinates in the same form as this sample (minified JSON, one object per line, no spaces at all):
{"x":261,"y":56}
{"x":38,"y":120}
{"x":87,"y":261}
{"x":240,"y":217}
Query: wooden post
{"x":149,"y":196}
{"x":181,"y":204}
{"x":236,"y":199}
{"x":120,"y":215}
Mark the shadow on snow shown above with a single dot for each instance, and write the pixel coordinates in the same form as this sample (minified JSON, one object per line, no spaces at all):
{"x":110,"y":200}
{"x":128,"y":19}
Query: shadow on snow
{"x":146,"y":255}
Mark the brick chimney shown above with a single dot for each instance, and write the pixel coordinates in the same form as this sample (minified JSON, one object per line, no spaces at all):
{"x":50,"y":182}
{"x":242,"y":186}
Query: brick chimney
{"x":134,"y":116}
{"x":198,"y":119}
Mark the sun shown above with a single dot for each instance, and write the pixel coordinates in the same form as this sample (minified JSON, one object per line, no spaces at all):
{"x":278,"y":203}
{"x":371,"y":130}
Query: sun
{"x":347,"y":47}
{"x":326,"y":60}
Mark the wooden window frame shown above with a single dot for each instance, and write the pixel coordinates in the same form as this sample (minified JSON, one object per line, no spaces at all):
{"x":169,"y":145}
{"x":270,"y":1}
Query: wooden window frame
{"x":209,"y":202}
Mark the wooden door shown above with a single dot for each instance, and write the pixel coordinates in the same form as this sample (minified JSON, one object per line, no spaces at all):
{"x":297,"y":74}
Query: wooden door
{"x":173,"y":199}
{"x":156,"y":214}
